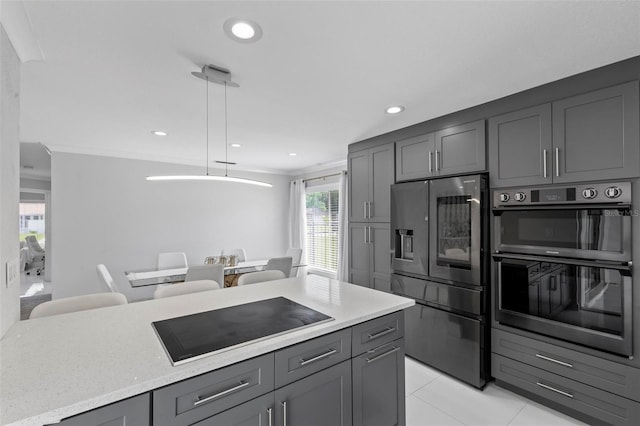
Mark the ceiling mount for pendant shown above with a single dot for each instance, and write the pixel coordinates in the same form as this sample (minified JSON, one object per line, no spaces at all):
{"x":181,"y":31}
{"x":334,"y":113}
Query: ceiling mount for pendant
{"x":216,"y":75}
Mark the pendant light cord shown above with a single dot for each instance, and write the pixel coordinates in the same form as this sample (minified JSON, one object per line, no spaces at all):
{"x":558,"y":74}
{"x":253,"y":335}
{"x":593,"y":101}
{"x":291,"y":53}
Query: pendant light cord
{"x":206,"y":91}
{"x":226,"y":142}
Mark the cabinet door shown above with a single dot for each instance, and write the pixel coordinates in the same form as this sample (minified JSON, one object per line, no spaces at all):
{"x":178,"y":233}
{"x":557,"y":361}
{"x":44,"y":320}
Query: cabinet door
{"x":359,"y":254}
{"x":460,"y":149}
{"x":358,"y":166}
{"x":378,"y":386}
{"x":257,"y":412}
{"x":414,"y":157}
{"x":132,"y":411}
{"x":380,"y":242}
{"x":381,"y":177}
{"x":321,"y":399}
{"x":595,"y":135}
{"x":520,"y":147}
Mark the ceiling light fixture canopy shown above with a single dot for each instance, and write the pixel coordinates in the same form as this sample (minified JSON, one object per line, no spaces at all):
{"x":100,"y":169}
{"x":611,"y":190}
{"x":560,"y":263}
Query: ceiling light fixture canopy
{"x":214,"y":74}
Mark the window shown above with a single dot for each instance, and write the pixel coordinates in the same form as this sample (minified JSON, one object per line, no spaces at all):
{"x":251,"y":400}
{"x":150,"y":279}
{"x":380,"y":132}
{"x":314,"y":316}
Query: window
{"x":322,"y":228}
{"x":32,"y":220}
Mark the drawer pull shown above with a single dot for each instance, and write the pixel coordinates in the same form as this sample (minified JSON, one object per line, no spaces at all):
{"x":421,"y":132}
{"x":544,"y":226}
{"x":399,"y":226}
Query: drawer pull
{"x":542,"y":385}
{"x":318,"y":358}
{"x":269,"y":412}
{"x":382,"y":333}
{"x":382,"y":355}
{"x":546,"y":358}
{"x":284,"y":413}
{"x":202,"y":400}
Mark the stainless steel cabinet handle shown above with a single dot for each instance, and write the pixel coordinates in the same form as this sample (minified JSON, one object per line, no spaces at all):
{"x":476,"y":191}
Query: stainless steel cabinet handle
{"x":546,"y":358}
{"x":364,"y":234}
{"x":542,"y":385}
{"x":544,"y":162}
{"x":370,"y":240}
{"x":381,"y":333}
{"x":202,"y":400}
{"x":284,"y":413}
{"x":382,"y":355}
{"x":557,"y":161}
{"x":437,"y":160}
{"x":369,"y":210}
{"x":269,"y":413}
{"x":364,"y":209}
{"x":330,"y":352}
{"x":430,"y":156}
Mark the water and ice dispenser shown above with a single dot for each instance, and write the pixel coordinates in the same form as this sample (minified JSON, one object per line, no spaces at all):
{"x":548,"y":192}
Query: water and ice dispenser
{"x":404,"y":244}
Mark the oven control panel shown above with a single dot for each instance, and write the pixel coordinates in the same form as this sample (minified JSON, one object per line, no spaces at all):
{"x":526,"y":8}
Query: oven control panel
{"x":592,"y":193}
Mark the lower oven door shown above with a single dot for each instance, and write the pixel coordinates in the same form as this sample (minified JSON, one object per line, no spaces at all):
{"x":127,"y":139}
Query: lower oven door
{"x":582,"y":302}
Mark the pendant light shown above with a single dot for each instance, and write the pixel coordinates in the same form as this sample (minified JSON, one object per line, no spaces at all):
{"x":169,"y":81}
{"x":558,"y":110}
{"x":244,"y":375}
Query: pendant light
{"x":222,"y":76}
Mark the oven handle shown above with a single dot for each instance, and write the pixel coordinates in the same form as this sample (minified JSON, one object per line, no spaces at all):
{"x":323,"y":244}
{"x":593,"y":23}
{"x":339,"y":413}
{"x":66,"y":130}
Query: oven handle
{"x":497,"y":210}
{"x":624,"y":267}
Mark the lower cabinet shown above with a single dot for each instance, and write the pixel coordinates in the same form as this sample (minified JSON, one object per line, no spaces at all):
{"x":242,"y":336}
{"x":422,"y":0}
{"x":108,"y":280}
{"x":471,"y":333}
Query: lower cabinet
{"x":132,"y":411}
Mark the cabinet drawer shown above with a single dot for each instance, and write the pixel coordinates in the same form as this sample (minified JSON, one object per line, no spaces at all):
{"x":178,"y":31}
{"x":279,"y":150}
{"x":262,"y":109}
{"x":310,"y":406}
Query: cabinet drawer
{"x":376,"y":332}
{"x":132,"y":411}
{"x":195,"y":399}
{"x":258,"y":412}
{"x":601,"y":373}
{"x":602,"y":405}
{"x":298,"y":361}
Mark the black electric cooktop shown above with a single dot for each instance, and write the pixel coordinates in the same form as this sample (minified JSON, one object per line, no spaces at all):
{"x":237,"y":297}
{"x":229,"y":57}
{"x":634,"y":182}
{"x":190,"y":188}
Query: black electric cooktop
{"x":194,"y":336}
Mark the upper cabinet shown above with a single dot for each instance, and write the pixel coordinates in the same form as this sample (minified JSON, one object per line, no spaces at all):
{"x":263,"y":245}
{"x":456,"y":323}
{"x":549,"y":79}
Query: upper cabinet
{"x":455,"y":150}
{"x":592,"y":136}
{"x":370,"y":177}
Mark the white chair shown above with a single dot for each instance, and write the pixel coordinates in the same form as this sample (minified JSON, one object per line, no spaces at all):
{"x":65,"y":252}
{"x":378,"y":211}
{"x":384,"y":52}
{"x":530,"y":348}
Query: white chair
{"x":77,"y":303}
{"x":240,"y":253}
{"x":206,"y":272}
{"x":185,"y":288}
{"x":172,"y":260}
{"x":105,"y":276}
{"x":35,"y":255}
{"x":260,"y":276}
{"x":296,"y":255}
{"x":280,"y":264}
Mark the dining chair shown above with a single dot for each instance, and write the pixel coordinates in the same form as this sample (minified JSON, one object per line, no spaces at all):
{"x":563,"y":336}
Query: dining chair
{"x":185,"y":288}
{"x":240,"y":253}
{"x":36,"y":254}
{"x":172,"y":260}
{"x":105,"y":276}
{"x":281,"y":264}
{"x":213,"y":272}
{"x":296,"y":255}
{"x":77,"y":303}
{"x":260,"y":276}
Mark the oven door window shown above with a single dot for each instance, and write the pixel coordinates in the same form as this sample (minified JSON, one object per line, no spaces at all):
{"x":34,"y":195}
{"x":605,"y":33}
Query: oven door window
{"x":583,"y":229}
{"x":454,"y":231}
{"x":582,"y":296}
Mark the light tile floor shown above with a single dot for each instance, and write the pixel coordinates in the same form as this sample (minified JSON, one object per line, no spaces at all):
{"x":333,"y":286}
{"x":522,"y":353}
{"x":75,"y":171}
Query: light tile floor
{"x":434,"y":398}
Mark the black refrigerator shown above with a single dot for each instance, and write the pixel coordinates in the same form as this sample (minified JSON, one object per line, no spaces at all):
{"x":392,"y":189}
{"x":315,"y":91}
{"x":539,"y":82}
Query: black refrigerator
{"x":439,"y":234}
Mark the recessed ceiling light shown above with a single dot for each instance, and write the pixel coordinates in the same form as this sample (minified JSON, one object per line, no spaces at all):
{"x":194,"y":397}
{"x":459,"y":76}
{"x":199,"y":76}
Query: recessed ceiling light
{"x":242,"y":30}
{"x":293,"y":154}
{"x":159,"y":133}
{"x":235,"y":145}
{"x":396,"y":109}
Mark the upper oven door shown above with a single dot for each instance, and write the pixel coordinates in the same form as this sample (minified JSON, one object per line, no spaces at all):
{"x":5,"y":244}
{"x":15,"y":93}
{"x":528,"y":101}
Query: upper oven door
{"x":455,"y":229}
{"x":588,"y":232}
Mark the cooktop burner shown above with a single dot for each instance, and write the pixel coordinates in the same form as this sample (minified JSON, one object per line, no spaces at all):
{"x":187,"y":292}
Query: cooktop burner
{"x":197,"y":335}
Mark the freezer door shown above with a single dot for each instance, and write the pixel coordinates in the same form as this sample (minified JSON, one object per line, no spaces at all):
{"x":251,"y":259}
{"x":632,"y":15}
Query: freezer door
{"x":410,"y":227}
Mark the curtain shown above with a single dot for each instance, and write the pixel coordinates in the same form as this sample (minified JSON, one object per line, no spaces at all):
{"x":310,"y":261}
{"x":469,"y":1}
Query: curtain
{"x":343,"y":230}
{"x":298,"y":217}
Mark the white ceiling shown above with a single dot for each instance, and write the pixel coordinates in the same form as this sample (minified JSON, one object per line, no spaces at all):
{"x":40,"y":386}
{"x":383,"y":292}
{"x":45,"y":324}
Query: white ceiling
{"x":319,"y":79}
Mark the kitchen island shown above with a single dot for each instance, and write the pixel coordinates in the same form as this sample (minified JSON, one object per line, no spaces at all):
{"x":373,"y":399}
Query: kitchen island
{"x":56,"y":367}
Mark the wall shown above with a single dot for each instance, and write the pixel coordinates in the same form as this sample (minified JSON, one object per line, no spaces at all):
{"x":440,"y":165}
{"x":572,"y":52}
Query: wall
{"x":9,"y":178}
{"x":106,"y":212}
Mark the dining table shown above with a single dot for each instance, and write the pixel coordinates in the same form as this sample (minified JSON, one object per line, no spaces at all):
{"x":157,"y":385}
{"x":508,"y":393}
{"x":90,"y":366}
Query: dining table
{"x":150,"y":277}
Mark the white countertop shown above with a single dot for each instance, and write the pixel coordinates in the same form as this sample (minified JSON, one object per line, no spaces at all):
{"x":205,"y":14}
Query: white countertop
{"x":59,"y":366}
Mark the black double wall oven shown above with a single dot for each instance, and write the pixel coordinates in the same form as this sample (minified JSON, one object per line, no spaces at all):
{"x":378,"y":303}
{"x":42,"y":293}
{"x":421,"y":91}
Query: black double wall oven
{"x":438,"y":231}
{"x":563,"y":263}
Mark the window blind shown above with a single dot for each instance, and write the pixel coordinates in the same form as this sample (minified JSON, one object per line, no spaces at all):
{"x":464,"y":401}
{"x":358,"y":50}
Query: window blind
{"x":322,"y":228}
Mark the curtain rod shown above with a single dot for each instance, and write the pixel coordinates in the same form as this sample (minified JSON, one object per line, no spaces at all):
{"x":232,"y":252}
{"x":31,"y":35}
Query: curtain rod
{"x":324,"y":177}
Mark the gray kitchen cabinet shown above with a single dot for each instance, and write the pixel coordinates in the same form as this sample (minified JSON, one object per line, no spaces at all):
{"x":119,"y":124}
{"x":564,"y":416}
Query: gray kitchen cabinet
{"x":132,"y":411}
{"x":520,"y":147}
{"x":257,"y":412}
{"x":370,"y":255}
{"x":589,"y":137}
{"x":596,"y":135}
{"x":378,"y":386}
{"x":371,"y":173}
{"x":321,"y":399}
{"x":414,"y":157}
{"x":460,"y":149}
